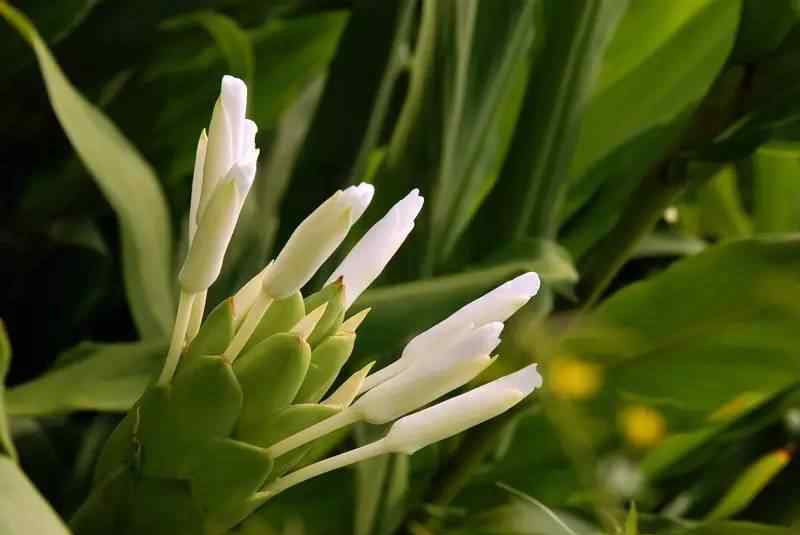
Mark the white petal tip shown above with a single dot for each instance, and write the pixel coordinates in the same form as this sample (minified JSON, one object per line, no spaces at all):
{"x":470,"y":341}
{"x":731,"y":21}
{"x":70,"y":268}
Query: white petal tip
{"x":525,"y":380}
{"x":527,"y":284}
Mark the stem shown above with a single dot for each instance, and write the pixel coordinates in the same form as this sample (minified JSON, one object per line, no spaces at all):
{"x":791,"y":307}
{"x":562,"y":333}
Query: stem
{"x":602,"y":262}
{"x":253,"y":318}
{"x":322,"y":467}
{"x":196,"y":317}
{"x":326,"y":426}
{"x":178,"y":341}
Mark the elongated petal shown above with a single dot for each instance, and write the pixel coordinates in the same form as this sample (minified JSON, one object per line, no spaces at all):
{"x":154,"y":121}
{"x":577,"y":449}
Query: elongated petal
{"x":458,"y":414}
{"x":197,"y":183}
{"x":219,"y":154}
{"x":233,"y":96}
{"x":204,"y":260}
{"x":214,"y":231}
{"x":373,"y":251}
{"x":497,"y":305}
{"x":418,"y":385}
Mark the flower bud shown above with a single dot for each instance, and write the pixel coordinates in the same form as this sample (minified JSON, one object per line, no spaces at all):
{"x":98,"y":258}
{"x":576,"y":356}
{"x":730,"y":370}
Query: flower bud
{"x":230,"y":136}
{"x":314,"y":240}
{"x":458,"y":414}
{"x":374,"y":250}
{"x":204,"y":260}
{"x":497,"y":305}
{"x":225,"y":166}
{"x":431,"y":378}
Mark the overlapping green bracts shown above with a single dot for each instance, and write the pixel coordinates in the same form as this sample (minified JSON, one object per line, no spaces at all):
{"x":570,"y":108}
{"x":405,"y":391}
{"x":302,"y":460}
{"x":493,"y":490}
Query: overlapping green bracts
{"x":191,"y":456}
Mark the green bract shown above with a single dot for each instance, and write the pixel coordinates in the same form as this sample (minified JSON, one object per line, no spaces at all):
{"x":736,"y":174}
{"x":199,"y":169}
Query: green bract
{"x":191,"y":456}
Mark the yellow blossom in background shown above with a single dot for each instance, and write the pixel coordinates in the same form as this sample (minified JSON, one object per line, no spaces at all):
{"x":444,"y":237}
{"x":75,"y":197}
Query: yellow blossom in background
{"x":574,"y":378}
{"x":642,"y":426}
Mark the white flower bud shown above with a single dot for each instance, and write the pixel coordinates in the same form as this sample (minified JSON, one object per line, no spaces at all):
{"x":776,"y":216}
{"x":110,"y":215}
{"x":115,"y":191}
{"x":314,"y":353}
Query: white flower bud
{"x":314,"y":240}
{"x":497,"y":305}
{"x":455,"y":365}
{"x":204,"y":260}
{"x":458,"y":414}
{"x":224,"y":170}
{"x":373,"y":251}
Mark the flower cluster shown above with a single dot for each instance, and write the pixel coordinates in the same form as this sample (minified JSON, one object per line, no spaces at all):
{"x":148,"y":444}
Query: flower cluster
{"x":244,"y":394}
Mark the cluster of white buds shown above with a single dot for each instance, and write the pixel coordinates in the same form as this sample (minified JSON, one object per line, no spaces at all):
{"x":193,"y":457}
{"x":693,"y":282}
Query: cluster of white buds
{"x":440,"y":360}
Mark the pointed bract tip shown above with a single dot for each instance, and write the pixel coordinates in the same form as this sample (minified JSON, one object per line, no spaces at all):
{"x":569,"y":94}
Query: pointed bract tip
{"x":306,"y":326}
{"x":344,"y":396}
{"x":354,"y":322}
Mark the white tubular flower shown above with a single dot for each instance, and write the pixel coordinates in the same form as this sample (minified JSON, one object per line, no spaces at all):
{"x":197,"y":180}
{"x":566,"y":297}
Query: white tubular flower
{"x":315,"y":239}
{"x":373,"y":251}
{"x":225,"y":167}
{"x":453,"y":367}
{"x":441,"y":421}
{"x":496,"y":305}
{"x":414,"y":432}
{"x":215,"y":228}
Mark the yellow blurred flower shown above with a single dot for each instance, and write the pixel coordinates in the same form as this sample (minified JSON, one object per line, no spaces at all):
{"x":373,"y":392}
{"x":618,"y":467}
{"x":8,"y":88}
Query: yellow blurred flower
{"x":642,"y":426}
{"x":574,"y":378}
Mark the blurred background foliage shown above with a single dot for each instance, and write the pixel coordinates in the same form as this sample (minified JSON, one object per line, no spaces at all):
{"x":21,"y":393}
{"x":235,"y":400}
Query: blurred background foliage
{"x":642,"y":155}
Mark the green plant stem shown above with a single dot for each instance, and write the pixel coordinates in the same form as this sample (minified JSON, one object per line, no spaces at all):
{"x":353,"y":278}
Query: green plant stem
{"x":720,"y":109}
{"x":602,"y":262}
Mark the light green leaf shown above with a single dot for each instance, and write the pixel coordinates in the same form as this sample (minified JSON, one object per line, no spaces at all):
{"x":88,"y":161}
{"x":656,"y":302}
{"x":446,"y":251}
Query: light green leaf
{"x":127,"y":181}
{"x":535,"y":177}
{"x":483,"y":49}
{"x":6,"y":444}
{"x":750,"y":483}
{"x":105,"y":377}
{"x":683,"y":46}
{"x":22,"y":510}
{"x":703,"y":331}
{"x":776,"y":187}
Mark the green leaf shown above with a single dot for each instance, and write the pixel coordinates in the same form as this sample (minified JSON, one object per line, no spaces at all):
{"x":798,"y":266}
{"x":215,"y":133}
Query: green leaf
{"x":555,"y":111}
{"x":203,"y":402}
{"x":215,"y":333}
{"x":271,"y":373}
{"x":333,"y":295}
{"x":231,"y":39}
{"x":6,"y":444}
{"x":704,"y":331}
{"x":281,"y":316}
{"x":22,"y":510}
{"x":763,"y":28}
{"x":482,"y":51}
{"x":327,"y":360}
{"x":291,"y":420}
{"x":750,"y":483}
{"x":775,"y":167}
{"x":127,"y":181}
{"x":224,"y":472}
{"x":107,"y":377}
{"x":682,"y":46}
